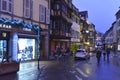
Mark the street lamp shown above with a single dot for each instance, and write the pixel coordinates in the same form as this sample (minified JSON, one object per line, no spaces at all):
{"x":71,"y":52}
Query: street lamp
{"x":87,"y":31}
{"x":38,"y":38}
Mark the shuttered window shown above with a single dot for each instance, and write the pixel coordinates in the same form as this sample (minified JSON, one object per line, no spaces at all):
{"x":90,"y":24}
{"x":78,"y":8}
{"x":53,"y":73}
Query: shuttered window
{"x":7,"y":6}
{"x":47,"y":16}
{"x":42,"y":13}
{"x":27,"y":8}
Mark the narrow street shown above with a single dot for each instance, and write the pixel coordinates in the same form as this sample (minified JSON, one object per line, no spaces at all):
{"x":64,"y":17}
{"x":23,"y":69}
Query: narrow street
{"x":68,"y":70}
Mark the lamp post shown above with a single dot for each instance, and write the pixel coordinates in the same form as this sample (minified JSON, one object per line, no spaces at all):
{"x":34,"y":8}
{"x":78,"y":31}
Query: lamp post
{"x":38,"y":38}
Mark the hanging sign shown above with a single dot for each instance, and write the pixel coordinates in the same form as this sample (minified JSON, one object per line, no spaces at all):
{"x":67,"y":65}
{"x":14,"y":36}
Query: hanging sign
{"x":26,"y":29}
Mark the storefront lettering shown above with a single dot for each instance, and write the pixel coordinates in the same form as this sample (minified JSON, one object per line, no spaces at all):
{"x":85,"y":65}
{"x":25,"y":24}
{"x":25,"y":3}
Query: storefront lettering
{"x":5,"y":26}
{"x":26,"y":29}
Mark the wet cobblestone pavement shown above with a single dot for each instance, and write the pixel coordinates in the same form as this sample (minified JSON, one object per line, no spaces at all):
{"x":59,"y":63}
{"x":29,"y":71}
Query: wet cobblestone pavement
{"x":28,"y":71}
{"x":67,"y":70}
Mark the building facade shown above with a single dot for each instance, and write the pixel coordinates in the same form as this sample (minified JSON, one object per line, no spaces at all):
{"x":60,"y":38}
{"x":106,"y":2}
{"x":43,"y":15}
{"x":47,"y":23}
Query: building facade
{"x":19,"y":21}
{"x":75,"y":31}
{"x":116,"y":32}
{"x":111,"y":37}
{"x":91,"y":36}
{"x":84,"y":30}
{"x":60,"y":24}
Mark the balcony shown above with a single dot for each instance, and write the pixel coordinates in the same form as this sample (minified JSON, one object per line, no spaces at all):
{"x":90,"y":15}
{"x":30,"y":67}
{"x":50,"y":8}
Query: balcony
{"x":59,"y":34}
{"x":55,"y":13}
{"x":66,"y":18}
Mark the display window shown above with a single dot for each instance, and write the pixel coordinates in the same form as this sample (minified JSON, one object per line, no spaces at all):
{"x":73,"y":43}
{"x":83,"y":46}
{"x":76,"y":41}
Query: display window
{"x":3,"y":49}
{"x":26,"y":49}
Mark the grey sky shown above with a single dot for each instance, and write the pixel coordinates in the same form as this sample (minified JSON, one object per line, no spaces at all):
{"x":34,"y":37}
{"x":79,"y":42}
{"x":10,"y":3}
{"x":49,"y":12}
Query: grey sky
{"x":100,"y":12}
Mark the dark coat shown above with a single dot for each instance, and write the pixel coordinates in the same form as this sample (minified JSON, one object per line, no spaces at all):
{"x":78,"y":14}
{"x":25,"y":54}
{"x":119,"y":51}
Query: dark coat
{"x":98,"y":54}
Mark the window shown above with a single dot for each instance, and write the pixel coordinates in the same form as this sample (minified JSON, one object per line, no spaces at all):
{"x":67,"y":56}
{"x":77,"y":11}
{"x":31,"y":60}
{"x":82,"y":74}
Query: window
{"x":64,"y":9}
{"x":47,"y":16}
{"x":56,"y":6}
{"x":119,"y":23}
{"x":6,"y":5}
{"x":42,"y":13}
{"x":27,"y":8}
{"x":51,"y":24}
{"x":26,"y":50}
{"x":56,"y":25}
{"x":91,"y":34}
{"x":67,"y":28}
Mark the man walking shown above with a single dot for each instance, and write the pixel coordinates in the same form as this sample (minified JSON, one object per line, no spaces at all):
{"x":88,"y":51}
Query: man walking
{"x":98,"y":55}
{"x":104,"y":54}
{"x":108,"y":54}
{"x":58,"y":53}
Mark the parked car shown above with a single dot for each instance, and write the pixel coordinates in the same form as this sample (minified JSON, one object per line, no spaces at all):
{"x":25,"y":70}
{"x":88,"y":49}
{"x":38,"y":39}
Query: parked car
{"x":81,"y":54}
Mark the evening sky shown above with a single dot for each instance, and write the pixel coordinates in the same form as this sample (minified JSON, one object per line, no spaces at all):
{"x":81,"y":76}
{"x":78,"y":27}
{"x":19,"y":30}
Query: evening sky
{"x":100,"y":12}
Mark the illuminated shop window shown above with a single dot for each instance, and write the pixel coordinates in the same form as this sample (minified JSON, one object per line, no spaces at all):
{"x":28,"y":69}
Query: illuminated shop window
{"x":26,"y":49}
{"x":3,"y":48}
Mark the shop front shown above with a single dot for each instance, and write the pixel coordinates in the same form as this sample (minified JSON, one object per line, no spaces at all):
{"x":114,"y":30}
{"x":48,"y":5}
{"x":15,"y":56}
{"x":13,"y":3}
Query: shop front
{"x":19,"y":42}
{"x":62,"y":43}
{"x":4,"y":39}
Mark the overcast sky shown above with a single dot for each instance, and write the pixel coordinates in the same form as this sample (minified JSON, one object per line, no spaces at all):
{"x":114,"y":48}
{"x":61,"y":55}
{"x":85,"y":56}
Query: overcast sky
{"x":100,"y":12}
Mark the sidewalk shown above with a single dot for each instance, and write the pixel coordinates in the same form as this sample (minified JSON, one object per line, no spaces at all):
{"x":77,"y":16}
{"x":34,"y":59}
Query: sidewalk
{"x":49,"y":70}
{"x":28,"y":71}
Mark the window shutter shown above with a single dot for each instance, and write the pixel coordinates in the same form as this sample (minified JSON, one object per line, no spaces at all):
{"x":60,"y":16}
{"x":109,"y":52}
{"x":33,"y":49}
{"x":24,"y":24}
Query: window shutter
{"x":6,"y":6}
{"x":47,"y":16}
{"x":27,"y":6}
{"x":42,"y":13}
{"x":10,"y":3}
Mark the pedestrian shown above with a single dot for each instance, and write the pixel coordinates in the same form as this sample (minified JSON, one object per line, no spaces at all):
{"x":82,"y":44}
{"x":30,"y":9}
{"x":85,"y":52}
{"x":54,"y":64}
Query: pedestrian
{"x":98,"y":55}
{"x":114,"y":50}
{"x":58,"y":53}
{"x":104,"y":54}
{"x":108,"y":54}
{"x":68,"y":51}
{"x":63,"y":52}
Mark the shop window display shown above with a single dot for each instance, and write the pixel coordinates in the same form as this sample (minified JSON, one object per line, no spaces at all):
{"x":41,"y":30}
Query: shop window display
{"x":3,"y":45}
{"x":26,"y":49}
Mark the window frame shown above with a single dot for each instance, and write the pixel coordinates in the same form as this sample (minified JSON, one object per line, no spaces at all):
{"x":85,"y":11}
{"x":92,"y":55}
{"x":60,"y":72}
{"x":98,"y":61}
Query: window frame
{"x":118,"y":22}
{"x":27,"y":8}
{"x":8,"y":3}
{"x":47,"y":16}
{"x":42,"y":13}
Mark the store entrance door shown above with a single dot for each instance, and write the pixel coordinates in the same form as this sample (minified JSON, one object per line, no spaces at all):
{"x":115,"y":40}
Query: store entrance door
{"x":3,"y":48}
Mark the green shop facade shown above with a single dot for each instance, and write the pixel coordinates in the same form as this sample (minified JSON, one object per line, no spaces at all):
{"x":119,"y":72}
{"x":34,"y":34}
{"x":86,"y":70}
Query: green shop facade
{"x":19,"y":41}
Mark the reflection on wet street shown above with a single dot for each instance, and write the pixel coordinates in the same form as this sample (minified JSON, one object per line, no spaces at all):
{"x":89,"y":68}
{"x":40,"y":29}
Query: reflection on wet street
{"x":28,"y":71}
{"x":68,"y":70}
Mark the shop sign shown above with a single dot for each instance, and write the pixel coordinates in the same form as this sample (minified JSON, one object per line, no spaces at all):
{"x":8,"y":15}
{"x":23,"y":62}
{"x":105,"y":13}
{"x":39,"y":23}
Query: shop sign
{"x":26,"y":29}
{"x":118,"y":47}
{"x":5,"y":26}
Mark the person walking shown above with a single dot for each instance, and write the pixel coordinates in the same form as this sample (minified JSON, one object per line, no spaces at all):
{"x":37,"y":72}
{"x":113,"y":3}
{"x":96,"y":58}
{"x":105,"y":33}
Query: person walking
{"x":63,"y":52}
{"x":58,"y":53}
{"x":104,"y":54}
{"x":68,"y":51}
{"x":108,"y":54}
{"x":98,"y":55}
